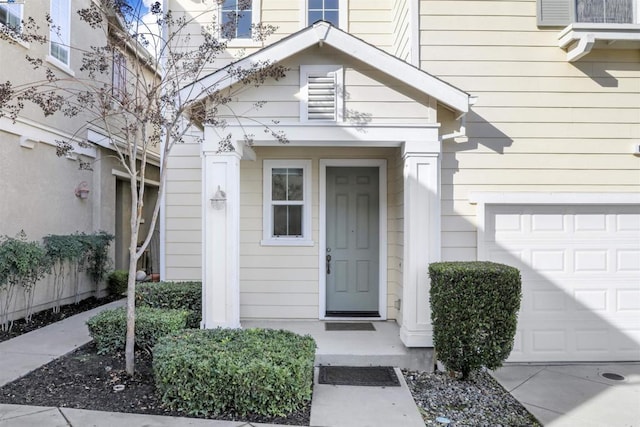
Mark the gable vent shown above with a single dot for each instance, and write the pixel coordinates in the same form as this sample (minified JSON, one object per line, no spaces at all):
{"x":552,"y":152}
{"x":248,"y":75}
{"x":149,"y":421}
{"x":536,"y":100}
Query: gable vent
{"x":321,"y":101}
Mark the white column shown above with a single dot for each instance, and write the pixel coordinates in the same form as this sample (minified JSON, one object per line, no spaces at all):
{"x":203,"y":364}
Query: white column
{"x":221,"y":239}
{"x":421,"y":239}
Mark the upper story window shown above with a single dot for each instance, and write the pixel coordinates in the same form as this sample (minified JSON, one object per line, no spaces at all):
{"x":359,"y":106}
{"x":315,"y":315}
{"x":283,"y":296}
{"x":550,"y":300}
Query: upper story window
{"x":321,"y":93}
{"x":605,"y":11}
{"x":236,"y":17}
{"x":11,"y":16}
{"x":565,"y":12}
{"x":119,"y":76}
{"x":323,"y":10}
{"x":60,"y":30}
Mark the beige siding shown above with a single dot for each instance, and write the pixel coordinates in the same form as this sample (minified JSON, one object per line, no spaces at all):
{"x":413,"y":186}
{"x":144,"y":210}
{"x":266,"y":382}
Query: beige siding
{"x":541,"y":124}
{"x":370,"y":96}
{"x":269,"y":286}
{"x":401,"y":29}
{"x":183,"y":214}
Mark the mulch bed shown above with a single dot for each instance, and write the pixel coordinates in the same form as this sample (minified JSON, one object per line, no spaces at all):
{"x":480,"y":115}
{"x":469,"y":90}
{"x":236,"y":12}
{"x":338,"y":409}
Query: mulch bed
{"x":85,"y":380}
{"x":47,"y":317}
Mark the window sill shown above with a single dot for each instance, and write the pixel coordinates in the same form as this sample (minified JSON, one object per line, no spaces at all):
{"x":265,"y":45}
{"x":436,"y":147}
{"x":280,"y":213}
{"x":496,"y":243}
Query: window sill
{"x":286,"y":242}
{"x":60,"y":65}
{"x":578,"y":39}
{"x":240,"y":43}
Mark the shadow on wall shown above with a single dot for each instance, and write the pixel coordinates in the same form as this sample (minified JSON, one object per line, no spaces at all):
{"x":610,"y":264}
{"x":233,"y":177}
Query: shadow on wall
{"x":581,"y":286}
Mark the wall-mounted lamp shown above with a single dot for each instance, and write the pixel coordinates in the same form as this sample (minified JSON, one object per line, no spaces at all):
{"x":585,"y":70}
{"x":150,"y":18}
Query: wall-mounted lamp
{"x":219,"y":199}
{"x":82,"y":190}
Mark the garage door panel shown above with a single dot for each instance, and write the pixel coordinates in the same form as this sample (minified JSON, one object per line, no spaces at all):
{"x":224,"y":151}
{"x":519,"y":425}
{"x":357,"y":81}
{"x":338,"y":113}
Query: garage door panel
{"x":628,"y":301}
{"x":580,"y":269}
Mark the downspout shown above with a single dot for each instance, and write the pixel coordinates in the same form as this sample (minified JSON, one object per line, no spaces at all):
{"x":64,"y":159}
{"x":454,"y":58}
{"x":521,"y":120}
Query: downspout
{"x":463,"y":123}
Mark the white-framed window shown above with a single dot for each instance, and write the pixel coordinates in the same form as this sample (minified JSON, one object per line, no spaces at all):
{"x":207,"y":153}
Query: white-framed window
{"x":60,"y":30}
{"x":119,"y":76}
{"x":565,"y":12}
{"x":237,"y":19}
{"x":323,"y":10}
{"x":11,"y":16}
{"x":332,"y":11}
{"x":321,"y":93}
{"x":287,"y":203}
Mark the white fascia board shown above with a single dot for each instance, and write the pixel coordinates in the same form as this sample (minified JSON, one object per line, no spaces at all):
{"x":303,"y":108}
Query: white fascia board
{"x":39,"y":132}
{"x":323,"y":33}
{"x":406,"y":73}
{"x":275,"y":53}
{"x":97,"y":138}
{"x":559,"y":198}
{"x":337,"y":135}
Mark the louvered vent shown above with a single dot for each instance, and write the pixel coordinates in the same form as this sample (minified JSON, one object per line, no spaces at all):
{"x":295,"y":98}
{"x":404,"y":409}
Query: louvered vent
{"x":321,"y":101}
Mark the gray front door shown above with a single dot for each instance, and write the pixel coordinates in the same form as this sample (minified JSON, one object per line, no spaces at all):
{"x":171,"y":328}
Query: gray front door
{"x":353,"y":249}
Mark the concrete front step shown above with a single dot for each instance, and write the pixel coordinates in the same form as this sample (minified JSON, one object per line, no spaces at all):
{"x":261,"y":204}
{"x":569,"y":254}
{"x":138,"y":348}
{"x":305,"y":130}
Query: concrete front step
{"x":381,"y":347}
{"x":412,"y":359}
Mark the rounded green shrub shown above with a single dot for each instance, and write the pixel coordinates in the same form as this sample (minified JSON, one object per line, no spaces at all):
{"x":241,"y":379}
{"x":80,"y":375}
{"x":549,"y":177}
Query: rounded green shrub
{"x":109,"y":328}
{"x":474,"y":312}
{"x":117,"y":282}
{"x":173,"y":295}
{"x":257,"y":371}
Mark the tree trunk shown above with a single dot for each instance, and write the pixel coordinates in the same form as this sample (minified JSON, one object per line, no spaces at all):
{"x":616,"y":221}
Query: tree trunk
{"x":131,"y":312}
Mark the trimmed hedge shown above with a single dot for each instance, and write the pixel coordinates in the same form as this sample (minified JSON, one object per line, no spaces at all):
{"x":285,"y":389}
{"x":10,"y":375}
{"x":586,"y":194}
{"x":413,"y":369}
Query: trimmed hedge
{"x":173,"y":295}
{"x":117,"y":282}
{"x":109,"y":328}
{"x":474,"y":310}
{"x":243,"y":371}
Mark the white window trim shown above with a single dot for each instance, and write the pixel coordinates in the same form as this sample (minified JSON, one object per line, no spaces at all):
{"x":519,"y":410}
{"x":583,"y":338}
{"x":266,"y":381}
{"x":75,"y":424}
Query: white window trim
{"x":343,"y":14}
{"x":305,"y":70}
{"x":256,"y":14}
{"x":52,"y":59}
{"x":20,"y":8}
{"x":268,"y":239}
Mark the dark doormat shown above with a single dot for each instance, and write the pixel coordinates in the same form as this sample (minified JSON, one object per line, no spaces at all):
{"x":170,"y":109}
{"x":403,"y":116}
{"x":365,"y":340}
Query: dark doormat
{"x":376,"y":376}
{"x":349,"y":326}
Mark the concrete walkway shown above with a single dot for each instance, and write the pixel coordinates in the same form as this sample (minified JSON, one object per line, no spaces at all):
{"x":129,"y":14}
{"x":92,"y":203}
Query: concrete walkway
{"x":558,"y":395}
{"x":332,"y":406}
{"x":576,"y":395}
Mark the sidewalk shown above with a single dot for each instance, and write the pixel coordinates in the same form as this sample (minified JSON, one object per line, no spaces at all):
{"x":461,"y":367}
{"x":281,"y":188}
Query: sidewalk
{"x":332,"y":406}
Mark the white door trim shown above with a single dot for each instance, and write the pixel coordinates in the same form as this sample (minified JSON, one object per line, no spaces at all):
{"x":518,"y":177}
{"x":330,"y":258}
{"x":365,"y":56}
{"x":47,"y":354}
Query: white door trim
{"x":381,"y":164}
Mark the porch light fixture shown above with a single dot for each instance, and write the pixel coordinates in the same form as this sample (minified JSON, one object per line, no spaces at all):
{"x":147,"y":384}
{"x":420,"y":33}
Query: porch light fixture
{"x":82,"y":190}
{"x":219,"y":199}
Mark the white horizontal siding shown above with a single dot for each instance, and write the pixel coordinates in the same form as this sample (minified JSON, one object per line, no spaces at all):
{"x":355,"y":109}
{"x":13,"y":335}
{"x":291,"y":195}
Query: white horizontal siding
{"x":183,"y":214}
{"x":281,"y":281}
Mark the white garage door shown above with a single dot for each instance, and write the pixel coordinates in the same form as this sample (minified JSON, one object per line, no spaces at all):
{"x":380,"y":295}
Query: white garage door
{"x":581,"y":278}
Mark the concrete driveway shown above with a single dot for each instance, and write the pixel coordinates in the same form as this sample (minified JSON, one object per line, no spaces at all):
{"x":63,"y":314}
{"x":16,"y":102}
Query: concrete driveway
{"x":570,"y":395}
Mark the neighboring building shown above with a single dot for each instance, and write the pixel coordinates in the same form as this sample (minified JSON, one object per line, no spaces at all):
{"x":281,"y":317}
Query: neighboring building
{"x":38,"y":189}
{"x":422,"y":131}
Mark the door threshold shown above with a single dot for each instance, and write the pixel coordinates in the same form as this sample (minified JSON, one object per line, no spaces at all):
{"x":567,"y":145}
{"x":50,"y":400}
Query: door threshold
{"x":351,"y":318}
{"x":352,"y":314}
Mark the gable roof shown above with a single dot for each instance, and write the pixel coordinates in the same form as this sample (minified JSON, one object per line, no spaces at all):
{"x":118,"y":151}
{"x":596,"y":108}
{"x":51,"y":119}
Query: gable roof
{"x":324,"y":33}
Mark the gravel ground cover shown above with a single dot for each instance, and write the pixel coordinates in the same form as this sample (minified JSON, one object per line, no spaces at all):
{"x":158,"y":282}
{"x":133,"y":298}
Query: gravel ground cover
{"x":478,"y":402}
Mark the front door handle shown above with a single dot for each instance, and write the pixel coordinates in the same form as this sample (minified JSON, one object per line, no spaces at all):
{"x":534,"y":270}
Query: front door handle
{"x":328,"y":264}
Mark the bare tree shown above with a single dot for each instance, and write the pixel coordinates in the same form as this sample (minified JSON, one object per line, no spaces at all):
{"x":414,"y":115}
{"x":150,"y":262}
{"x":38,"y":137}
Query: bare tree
{"x":129,"y":89}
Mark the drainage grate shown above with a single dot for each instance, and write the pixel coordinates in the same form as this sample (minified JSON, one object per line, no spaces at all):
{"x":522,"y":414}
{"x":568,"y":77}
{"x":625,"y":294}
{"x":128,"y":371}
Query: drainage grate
{"x":375,"y":376}
{"x":349,"y":326}
{"x":613,"y":377}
